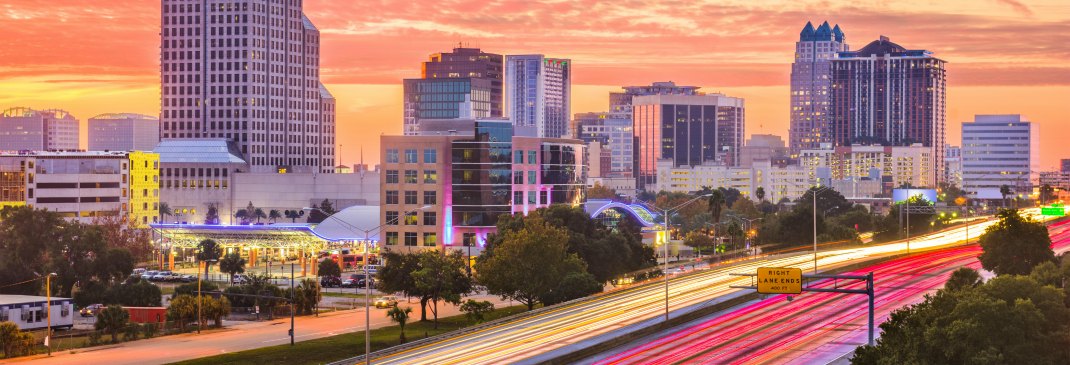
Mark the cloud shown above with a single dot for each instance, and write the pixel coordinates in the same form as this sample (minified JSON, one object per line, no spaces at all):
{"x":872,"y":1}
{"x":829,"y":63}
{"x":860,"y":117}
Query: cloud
{"x":1017,"y":6}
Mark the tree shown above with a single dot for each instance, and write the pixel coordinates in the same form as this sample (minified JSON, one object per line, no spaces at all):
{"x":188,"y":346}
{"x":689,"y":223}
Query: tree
{"x":182,"y":310}
{"x":1046,"y":193}
{"x":401,"y":317}
{"x":599,"y":191}
{"x":475,"y":311}
{"x":294,"y":214}
{"x":329,"y":267}
{"x":242,"y":215}
{"x":208,"y":251}
{"x":191,"y":288}
{"x":232,"y":264}
{"x":165,"y":210}
{"x":1047,"y":273}
{"x":829,"y":202}
{"x":745,"y":208}
{"x":963,"y":278}
{"x":307,"y":296}
{"x":395,"y":277}
{"x":528,"y":263}
{"x":321,"y":211}
{"x":14,"y":341}
{"x":112,"y":319}
{"x":1004,"y":191}
{"x":214,"y":310}
{"x":716,"y":203}
{"x":259,"y":214}
{"x":759,"y":193}
{"x":1014,"y":245}
{"x":274,"y":215}
{"x":120,"y":232}
{"x":698,"y":240}
{"x":211,"y":215}
{"x":573,"y":286}
{"x":135,"y":293}
{"x":26,"y":234}
{"x":442,"y":277}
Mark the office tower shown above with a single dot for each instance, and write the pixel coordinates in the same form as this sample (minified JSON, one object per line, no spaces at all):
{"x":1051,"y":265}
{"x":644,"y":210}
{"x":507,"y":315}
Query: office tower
{"x":248,"y":72}
{"x":614,"y":133}
{"x":446,"y":98}
{"x":953,"y":165}
{"x":811,"y":84}
{"x":999,"y":150}
{"x":689,"y":130}
{"x":884,"y":94}
{"x":764,"y":147}
{"x":537,"y":95}
{"x":25,"y":129}
{"x":1064,"y":165}
{"x":123,"y":132}
{"x":469,"y":63}
{"x":621,"y":102}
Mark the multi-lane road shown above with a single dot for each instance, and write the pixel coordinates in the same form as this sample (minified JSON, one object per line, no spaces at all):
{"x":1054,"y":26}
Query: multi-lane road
{"x":814,"y":328}
{"x":560,"y":328}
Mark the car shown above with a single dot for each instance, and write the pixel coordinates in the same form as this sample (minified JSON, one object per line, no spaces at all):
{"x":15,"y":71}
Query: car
{"x":138,"y":271}
{"x":239,"y":279}
{"x":161,"y":276}
{"x":149,"y":274}
{"x":330,"y":282}
{"x":91,"y":310}
{"x":186,"y":278}
{"x":349,"y":283}
{"x":386,"y":301}
{"x":360,"y":283}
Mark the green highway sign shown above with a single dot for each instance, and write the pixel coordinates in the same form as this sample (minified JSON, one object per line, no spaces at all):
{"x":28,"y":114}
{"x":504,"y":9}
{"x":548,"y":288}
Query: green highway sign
{"x":1055,"y":210}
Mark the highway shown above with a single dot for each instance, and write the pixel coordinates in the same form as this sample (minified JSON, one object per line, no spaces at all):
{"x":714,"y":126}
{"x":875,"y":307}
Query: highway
{"x":520,"y":340}
{"x":814,"y":328}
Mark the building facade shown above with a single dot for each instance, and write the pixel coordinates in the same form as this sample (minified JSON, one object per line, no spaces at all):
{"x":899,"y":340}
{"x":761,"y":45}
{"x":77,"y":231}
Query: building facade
{"x":953,"y":165}
{"x":689,"y":130}
{"x":25,"y":129}
{"x":765,"y":147}
{"x":789,"y":182}
{"x":247,"y":72}
{"x":470,"y":63}
{"x":897,"y":164}
{"x":538,"y":94}
{"x":84,"y":186}
{"x":811,"y":85}
{"x":1000,"y":150}
{"x":446,"y":98}
{"x":884,"y":94}
{"x":123,"y":132}
{"x":614,"y":133}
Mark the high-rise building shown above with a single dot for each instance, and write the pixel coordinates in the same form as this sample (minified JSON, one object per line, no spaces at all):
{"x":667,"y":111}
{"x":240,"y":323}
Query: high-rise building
{"x":446,"y":98}
{"x":613,"y":133}
{"x":811,"y":85}
{"x":25,"y":129}
{"x":689,"y":130}
{"x":953,"y":165}
{"x":621,"y":102}
{"x":469,"y":63}
{"x":247,"y":71}
{"x":538,"y":94}
{"x":884,"y":94}
{"x":1064,"y":165}
{"x":897,"y":164}
{"x":999,"y":150}
{"x":764,"y":147}
{"x":123,"y":132}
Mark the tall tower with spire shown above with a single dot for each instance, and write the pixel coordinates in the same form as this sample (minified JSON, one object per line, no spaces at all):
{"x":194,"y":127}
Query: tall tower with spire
{"x":811,"y":85}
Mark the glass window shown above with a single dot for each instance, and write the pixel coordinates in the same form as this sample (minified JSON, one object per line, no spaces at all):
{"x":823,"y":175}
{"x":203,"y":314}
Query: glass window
{"x":391,"y":176}
{"x":391,"y":218}
{"x":544,"y":197}
{"x":411,"y":219}
{"x":430,"y":218}
{"x":430,"y":176}
{"x":518,"y":197}
{"x":468,"y":239}
{"x":430,"y":156}
{"x":430,"y":239}
{"x":410,"y":197}
{"x":391,"y":238}
{"x":430,"y":197}
{"x":410,"y":238}
{"x":410,"y":155}
{"x":410,"y":176}
{"x":532,"y":197}
{"x":531,"y":177}
{"x":531,"y":157}
{"x":518,"y":177}
{"x":391,"y":155}
{"x":518,"y":157}
{"x":391,"y":196}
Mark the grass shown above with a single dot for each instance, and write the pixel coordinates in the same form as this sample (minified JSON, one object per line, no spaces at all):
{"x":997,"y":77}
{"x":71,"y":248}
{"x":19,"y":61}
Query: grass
{"x":346,"y":295}
{"x":339,"y":347}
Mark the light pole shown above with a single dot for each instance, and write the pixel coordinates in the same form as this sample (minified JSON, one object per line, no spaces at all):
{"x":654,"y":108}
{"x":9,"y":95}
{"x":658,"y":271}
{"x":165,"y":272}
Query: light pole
{"x":748,"y":224}
{"x":48,"y":311}
{"x":367,"y":278}
{"x":665,"y":267}
{"x":813,"y":193}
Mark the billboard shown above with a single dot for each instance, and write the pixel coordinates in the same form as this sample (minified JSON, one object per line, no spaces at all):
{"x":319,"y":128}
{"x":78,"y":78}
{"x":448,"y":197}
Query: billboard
{"x":901,"y":195}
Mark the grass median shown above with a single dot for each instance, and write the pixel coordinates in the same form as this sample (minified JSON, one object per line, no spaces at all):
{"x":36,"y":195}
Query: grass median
{"x":339,"y":347}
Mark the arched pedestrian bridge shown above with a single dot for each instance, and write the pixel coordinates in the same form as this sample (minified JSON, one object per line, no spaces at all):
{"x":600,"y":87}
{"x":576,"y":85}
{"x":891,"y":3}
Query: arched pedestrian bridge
{"x":608,"y":210}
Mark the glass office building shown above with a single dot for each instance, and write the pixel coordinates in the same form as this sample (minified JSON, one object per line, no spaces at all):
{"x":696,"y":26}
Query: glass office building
{"x":457,"y":98}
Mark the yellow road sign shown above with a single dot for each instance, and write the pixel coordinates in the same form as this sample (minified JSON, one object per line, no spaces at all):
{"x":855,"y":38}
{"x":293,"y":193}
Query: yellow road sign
{"x":779,"y":280}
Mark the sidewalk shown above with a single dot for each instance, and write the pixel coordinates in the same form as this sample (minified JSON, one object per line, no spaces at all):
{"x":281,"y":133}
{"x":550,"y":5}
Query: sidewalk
{"x":239,"y":337}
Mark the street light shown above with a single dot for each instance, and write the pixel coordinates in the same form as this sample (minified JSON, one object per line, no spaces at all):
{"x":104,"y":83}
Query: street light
{"x":367,"y":278}
{"x":48,"y":311}
{"x":665,"y":270}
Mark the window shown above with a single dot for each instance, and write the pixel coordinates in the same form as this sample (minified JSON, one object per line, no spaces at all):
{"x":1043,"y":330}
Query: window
{"x":430,"y":198}
{"x":531,"y":177}
{"x":411,"y":219}
{"x":392,"y":155}
{"x":410,"y":176}
{"x":391,"y":196}
{"x":391,"y":218}
{"x":430,"y":239}
{"x":518,"y":157}
{"x":468,"y":239}
{"x":531,"y":157}
{"x":430,"y":156}
{"x":430,"y":176}
{"x":430,"y":218}
{"x":532,"y":198}
{"x":544,"y":197}
{"x":410,"y":238}
{"x":410,"y":197}
{"x":518,"y":197}
{"x":391,"y":176}
{"x":410,"y":155}
{"x":518,"y":177}
{"x":391,"y":238}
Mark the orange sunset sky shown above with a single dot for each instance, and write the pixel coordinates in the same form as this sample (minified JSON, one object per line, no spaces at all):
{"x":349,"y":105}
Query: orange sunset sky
{"x":1005,"y":56}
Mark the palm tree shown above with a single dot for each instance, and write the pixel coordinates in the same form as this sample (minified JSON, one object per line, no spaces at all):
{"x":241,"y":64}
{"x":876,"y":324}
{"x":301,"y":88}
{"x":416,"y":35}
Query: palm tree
{"x":242,"y":215}
{"x":258,"y":214}
{"x":274,"y":215}
{"x":165,"y":210}
{"x":232,"y":264}
{"x":1004,"y":191}
{"x":208,"y":251}
{"x":112,"y":319}
{"x":716,"y":202}
{"x":760,"y":193}
{"x":401,"y":316}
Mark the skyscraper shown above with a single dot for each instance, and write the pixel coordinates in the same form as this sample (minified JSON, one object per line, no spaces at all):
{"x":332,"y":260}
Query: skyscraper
{"x":999,"y":150}
{"x":248,"y":72}
{"x":25,"y":129}
{"x":123,"y":132}
{"x":537,"y":95}
{"x":469,"y":63}
{"x":689,"y":130}
{"x":884,"y":94}
{"x":810,"y":85}
{"x":445,"y":98}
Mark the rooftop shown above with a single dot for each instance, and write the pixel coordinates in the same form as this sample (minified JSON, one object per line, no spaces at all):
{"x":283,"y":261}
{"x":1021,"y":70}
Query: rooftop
{"x":23,"y":299}
{"x":198,"y":151}
{"x":113,"y":116}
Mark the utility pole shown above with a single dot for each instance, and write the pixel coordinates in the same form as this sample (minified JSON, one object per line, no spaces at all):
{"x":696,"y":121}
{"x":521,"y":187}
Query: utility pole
{"x":291,"y":304}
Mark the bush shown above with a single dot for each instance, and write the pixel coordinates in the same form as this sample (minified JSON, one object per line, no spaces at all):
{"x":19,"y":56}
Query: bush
{"x":191,"y":288}
{"x":131,"y":332}
{"x":14,"y":341}
{"x":136,"y":293}
{"x":475,"y":311}
{"x":149,"y":330}
{"x":112,"y":320}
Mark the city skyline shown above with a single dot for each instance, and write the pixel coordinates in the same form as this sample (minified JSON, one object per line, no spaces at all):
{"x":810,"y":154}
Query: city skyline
{"x":745,"y":54}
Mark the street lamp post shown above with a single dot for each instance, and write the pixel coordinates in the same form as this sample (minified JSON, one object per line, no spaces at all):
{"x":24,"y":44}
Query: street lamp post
{"x":665,"y":267}
{"x":48,"y":311}
{"x":367,"y":278}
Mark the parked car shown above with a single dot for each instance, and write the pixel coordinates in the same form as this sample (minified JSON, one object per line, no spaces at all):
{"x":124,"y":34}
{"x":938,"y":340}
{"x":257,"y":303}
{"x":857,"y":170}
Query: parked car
{"x":138,"y":271}
{"x":161,"y":276}
{"x":386,"y":301}
{"x":91,"y":310}
{"x":239,"y":279}
{"x":330,"y":282}
{"x":360,"y":283}
{"x":187,"y":278}
{"x":149,"y":274}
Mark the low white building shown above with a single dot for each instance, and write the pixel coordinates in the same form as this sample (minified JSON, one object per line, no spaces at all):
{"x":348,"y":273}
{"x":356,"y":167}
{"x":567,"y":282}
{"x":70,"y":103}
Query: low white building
{"x":123,"y":132}
{"x":30,"y":312}
{"x":778,"y":182}
{"x":624,"y":186}
{"x":902,"y":164}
